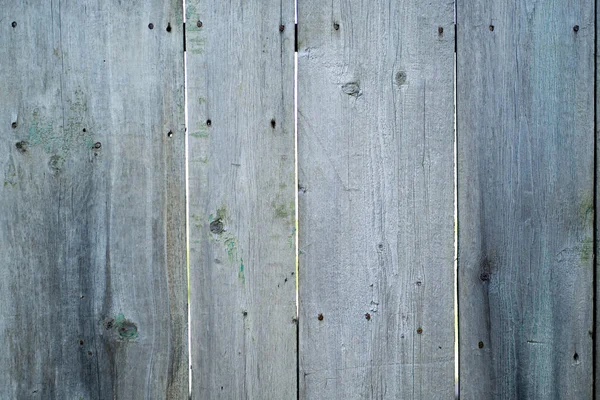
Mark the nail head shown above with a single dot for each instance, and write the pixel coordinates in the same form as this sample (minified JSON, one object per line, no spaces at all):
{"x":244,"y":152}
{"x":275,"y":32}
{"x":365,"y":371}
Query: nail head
{"x":14,"y":24}
{"x":576,"y":28}
{"x":199,"y":24}
{"x":320,"y":317}
{"x":151,"y":26}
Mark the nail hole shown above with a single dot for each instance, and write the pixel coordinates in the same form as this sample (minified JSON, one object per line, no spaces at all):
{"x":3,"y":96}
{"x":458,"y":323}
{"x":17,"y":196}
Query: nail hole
{"x":245,"y":313}
{"x":320,"y":317}
{"x":484,"y":276}
{"x":14,"y":125}
{"x":170,"y":134}
{"x":480,"y":345}
{"x":492,"y":28}
{"x":576,"y":28}
{"x":81,"y":342}
{"x":336,"y":26}
{"x":151,"y":26}
{"x":273,"y":123}
{"x":575,"y":356}
{"x":89,"y":353}
{"x":83,"y":130}
{"x":208,"y":122}
{"x":199,"y":24}
{"x":281,"y":28}
{"x":169,"y":27}
{"x":14,"y":24}
{"x":440,"y":30}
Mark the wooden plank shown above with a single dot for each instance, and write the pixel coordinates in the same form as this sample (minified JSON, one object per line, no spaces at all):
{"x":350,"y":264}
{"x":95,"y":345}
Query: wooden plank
{"x":242,"y":190}
{"x":525,"y":109}
{"x":92,"y":228}
{"x":375,"y":162}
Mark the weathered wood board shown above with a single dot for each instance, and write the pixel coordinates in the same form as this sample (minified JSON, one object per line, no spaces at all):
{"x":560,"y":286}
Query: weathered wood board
{"x":525,"y":109}
{"x":376,"y":195}
{"x":241,"y":198}
{"x":92,"y":228}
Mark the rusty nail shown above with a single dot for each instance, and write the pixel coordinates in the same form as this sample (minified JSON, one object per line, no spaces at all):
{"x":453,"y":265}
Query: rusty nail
{"x":281,"y":28}
{"x":492,"y":28}
{"x":151,"y":25}
{"x":368,"y":316}
{"x":97,"y":145}
{"x":320,"y":317}
{"x":419,"y":330}
{"x":480,"y":345}
{"x":336,"y":26}
{"x":576,"y":28}
{"x":199,"y":24}
{"x":14,"y":24}
{"x":440,"y":30}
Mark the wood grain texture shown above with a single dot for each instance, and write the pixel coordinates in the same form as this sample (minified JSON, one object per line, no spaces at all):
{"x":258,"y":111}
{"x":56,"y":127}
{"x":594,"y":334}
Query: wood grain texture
{"x":525,"y":183}
{"x":375,"y":162}
{"x":92,"y":228}
{"x":242,"y":189}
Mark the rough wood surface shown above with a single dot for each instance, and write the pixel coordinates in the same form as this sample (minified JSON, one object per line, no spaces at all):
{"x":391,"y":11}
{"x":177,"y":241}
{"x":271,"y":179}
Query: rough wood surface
{"x":242,"y":187}
{"x":92,"y":228}
{"x":375,"y":155}
{"x":525,"y":110}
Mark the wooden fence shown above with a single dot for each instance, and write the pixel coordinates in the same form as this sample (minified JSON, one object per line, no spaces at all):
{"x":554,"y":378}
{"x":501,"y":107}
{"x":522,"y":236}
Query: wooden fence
{"x":322,"y":216}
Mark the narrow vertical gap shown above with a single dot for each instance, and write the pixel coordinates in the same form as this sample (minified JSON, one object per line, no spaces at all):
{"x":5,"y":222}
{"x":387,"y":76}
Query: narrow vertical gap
{"x":296,"y":198}
{"x":187,"y":204}
{"x":594,"y":218}
{"x":456,"y":305}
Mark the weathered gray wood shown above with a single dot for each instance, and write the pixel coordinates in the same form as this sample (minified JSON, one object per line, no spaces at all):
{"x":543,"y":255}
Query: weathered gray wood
{"x":92,"y":227}
{"x":375,"y":155}
{"x":241,"y":185}
{"x":525,"y":182}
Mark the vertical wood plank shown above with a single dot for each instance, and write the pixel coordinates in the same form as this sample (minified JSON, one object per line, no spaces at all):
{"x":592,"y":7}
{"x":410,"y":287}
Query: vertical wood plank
{"x":375,"y":159}
{"x":525,"y":183}
{"x":92,"y":228}
{"x":241,"y":185}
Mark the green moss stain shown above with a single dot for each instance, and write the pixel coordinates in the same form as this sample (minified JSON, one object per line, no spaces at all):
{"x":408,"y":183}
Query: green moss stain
{"x":291,"y":240}
{"x":281,"y":210}
{"x":219,"y":232}
{"x":60,"y":140}
{"x":585,"y":250}
{"x":586,"y":208}
{"x":10,"y":175}
{"x":201,"y":133}
{"x":241,"y":274}
{"x":196,"y":221}
{"x":121,"y":328}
